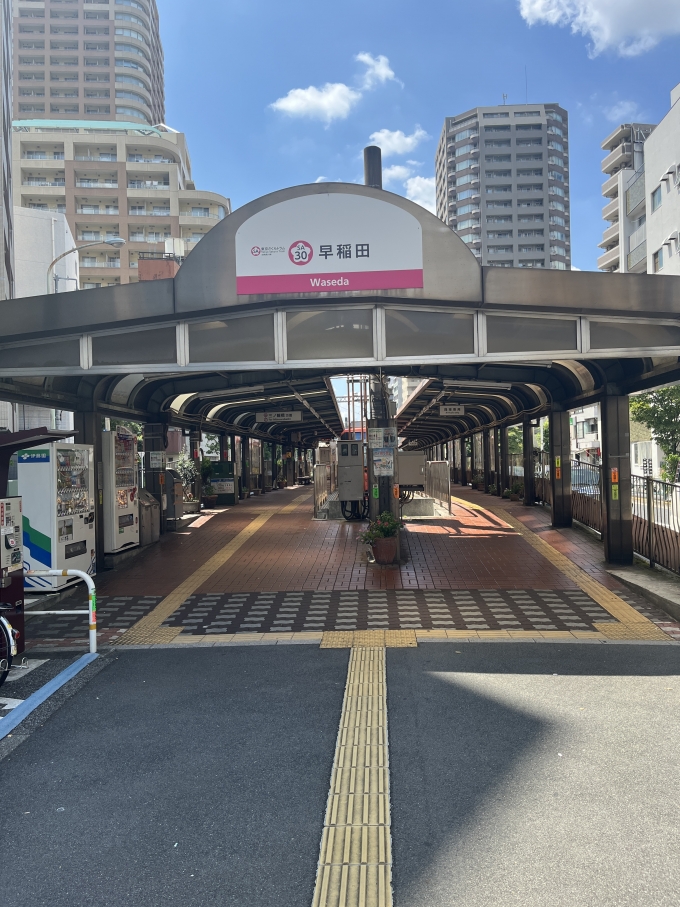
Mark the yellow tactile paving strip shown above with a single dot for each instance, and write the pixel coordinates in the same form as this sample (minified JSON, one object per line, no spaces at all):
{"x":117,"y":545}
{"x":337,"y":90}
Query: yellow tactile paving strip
{"x":348,"y":639}
{"x":355,"y":860}
{"x":635,"y":625}
{"x":148,"y":630}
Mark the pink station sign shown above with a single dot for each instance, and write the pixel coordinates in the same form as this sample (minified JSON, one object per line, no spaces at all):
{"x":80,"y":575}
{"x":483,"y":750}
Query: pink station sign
{"x":329,"y":243}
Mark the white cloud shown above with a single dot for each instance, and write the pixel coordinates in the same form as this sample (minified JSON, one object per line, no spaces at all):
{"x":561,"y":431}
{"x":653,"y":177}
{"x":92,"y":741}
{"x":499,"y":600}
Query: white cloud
{"x":623,"y":112}
{"x":378,"y":70}
{"x":333,"y":101}
{"x":321,"y":179}
{"x":421,"y":189}
{"x":397,"y":142}
{"x":396,"y":173}
{"x":631,"y":27}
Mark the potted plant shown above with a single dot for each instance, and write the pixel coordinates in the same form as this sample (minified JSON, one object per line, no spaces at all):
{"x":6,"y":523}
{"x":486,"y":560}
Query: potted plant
{"x":506,"y":494}
{"x":516,"y":491}
{"x":209,"y":497}
{"x":383,"y":537}
{"x":492,"y":489}
{"x":478,"y":481}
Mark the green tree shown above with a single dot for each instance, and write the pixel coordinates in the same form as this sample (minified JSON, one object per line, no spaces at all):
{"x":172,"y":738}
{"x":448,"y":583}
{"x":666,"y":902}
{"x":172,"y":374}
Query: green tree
{"x":515,"y":439}
{"x":660,"y":411}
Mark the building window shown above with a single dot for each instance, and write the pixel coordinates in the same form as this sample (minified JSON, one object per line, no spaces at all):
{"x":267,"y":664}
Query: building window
{"x":657,"y":261}
{"x":496,"y":116}
{"x":656,"y":198}
{"x":558,"y":266}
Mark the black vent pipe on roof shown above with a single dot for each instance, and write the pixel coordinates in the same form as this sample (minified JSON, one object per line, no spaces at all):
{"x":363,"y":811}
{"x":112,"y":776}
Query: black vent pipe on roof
{"x":373,"y":167}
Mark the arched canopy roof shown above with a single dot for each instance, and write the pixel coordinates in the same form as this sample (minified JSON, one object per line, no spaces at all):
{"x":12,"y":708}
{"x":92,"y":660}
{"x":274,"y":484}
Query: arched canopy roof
{"x":320,"y":280}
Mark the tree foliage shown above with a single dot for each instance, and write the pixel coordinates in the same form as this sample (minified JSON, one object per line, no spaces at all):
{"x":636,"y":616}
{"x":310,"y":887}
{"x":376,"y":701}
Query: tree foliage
{"x":659,"y":410}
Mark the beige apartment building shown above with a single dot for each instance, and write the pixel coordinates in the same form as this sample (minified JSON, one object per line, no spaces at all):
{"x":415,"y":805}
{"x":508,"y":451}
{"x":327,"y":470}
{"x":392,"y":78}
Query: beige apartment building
{"x":112,"y":179}
{"x":80,"y":59}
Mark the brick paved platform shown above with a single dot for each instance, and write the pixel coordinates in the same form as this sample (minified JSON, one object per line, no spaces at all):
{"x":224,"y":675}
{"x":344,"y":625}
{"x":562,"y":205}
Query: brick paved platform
{"x":477,"y":569}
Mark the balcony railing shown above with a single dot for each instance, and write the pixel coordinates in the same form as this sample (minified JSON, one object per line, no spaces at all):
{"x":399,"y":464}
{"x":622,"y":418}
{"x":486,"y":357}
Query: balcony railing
{"x":164,"y":213}
{"x":95,"y":184}
{"x":88,"y":263}
{"x":37,"y":182}
{"x":105,"y":159}
{"x":147,"y":184}
{"x":197,"y":214}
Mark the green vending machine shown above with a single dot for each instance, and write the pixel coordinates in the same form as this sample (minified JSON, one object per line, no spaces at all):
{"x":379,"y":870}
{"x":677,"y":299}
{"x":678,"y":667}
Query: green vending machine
{"x":224,"y":482}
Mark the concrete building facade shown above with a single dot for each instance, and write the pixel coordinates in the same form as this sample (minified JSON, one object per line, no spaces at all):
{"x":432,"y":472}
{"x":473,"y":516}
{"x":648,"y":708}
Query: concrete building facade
{"x":88,"y":59}
{"x":502,"y":182}
{"x":40,"y":237}
{"x":113,"y":179}
{"x":624,"y":238}
{"x":662,"y":169}
{"x":6,"y":213}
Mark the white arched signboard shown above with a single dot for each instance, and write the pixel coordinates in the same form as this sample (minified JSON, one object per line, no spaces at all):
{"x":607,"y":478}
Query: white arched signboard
{"x":329,"y":243}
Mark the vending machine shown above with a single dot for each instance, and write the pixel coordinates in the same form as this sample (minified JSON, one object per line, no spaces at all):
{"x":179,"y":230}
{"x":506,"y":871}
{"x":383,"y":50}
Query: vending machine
{"x":11,"y":568}
{"x":56,"y":484}
{"x":121,"y":505}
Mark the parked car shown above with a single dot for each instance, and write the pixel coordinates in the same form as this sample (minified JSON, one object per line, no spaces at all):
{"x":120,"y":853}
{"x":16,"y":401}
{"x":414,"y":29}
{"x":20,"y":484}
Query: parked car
{"x":585,"y":478}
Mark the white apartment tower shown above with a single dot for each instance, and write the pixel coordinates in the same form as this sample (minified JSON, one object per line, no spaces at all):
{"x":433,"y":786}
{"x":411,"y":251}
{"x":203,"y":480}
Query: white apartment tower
{"x":502,"y":180}
{"x":624,"y":238}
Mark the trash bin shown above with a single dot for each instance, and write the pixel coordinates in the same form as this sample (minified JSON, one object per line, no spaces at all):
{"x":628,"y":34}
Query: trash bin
{"x":149,"y":518}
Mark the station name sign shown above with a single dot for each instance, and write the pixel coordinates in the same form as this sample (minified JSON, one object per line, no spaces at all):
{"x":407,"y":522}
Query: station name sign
{"x":283,"y":416}
{"x":451,"y":409}
{"x":329,"y":243}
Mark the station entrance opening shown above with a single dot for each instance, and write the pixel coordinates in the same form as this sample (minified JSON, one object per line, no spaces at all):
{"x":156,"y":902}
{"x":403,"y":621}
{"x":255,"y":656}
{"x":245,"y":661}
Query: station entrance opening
{"x":326,"y":280}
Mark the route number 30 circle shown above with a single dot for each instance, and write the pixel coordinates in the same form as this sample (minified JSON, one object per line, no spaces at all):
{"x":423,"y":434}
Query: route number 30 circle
{"x":300,"y":252}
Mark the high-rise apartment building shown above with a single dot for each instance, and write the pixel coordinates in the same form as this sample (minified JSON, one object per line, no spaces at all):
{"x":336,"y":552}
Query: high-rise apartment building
{"x":6,"y":217}
{"x":113,"y":180}
{"x":88,"y":135}
{"x":88,"y":59}
{"x":502,"y":180}
{"x":623,"y":240}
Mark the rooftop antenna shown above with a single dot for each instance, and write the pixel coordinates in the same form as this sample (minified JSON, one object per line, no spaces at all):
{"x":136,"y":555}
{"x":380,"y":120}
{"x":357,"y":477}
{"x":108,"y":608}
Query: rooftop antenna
{"x":505,"y":98}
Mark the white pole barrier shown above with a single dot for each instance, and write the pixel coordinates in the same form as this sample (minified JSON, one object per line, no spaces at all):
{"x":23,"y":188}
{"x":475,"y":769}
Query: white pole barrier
{"x":91,"y":600}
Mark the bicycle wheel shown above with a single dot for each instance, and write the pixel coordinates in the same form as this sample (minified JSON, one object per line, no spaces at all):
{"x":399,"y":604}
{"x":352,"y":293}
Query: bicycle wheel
{"x":5,"y":652}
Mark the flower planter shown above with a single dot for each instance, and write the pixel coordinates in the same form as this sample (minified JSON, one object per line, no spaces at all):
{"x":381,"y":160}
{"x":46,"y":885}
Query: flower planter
{"x":385,"y":550}
{"x":480,"y":486}
{"x":514,"y":497}
{"x":209,"y":500}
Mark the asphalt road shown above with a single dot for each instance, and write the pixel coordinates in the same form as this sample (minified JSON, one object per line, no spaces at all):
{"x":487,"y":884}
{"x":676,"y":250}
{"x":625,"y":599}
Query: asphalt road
{"x":177,"y":778}
{"x":535,"y":775}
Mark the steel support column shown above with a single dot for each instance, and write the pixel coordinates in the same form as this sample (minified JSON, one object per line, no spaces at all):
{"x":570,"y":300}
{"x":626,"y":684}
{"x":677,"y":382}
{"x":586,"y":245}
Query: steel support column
{"x":616,"y":480}
{"x":528,"y":452}
{"x":560,"y":468}
{"x":486,"y":459}
{"x":463,"y":461}
{"x":505,"y":459}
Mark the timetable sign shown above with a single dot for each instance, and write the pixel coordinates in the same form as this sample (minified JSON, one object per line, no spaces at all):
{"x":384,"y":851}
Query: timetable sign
{"x":451,"y":409}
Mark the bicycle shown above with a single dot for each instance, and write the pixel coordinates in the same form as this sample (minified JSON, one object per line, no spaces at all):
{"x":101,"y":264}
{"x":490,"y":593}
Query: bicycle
{"x":8,"y":647}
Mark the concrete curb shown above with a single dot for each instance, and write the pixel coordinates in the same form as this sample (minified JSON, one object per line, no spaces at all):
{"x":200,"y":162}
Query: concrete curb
{"x":660,"y":590}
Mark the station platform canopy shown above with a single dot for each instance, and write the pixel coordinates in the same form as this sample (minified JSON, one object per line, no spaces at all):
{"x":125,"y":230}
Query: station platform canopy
{"x":329,"y":279}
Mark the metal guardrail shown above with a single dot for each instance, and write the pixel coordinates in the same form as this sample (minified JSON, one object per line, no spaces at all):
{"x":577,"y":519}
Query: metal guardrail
{"x":321,"y":473}
{"x":91,"y":610}
{"x":586,"y":494}
{"x":656,"y":521}
{"x":438,"y":482}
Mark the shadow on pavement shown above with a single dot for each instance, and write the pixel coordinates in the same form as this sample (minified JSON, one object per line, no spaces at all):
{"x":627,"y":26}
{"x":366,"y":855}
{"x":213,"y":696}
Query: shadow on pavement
{"x":175,"y":778}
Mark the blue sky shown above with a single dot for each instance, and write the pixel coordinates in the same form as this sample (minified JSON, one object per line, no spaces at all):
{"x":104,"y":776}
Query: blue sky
{"x":398,"y":68}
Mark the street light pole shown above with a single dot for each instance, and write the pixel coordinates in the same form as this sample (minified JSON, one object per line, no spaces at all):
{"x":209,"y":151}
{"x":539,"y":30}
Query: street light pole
{"x":115,"y":241}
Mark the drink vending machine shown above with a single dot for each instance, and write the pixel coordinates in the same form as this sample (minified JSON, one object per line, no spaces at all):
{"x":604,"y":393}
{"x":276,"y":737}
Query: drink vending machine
{"x":11,"y":568}
{"x":56,"y":484}
{"x":121,"y":504}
